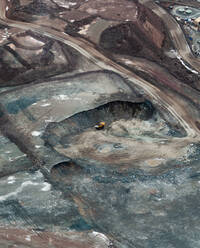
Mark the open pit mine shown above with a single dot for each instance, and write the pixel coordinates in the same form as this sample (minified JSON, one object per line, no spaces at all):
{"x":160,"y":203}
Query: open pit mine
{"x":99,"y":124}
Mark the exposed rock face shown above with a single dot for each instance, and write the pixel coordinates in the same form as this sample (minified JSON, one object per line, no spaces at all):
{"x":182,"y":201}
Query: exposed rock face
{"x":151,"y":25}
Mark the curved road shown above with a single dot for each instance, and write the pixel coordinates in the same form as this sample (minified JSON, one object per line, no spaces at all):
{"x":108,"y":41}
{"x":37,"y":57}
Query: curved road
{"x":87,"y":49}
{"x":160,"y":75}
{"x":176,"y":33}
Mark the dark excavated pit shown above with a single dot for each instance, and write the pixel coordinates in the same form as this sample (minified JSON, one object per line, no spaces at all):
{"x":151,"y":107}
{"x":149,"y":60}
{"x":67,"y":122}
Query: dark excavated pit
{"x":109,"y":113}
{"x":65,"y":169}
{"x":130,"y":129}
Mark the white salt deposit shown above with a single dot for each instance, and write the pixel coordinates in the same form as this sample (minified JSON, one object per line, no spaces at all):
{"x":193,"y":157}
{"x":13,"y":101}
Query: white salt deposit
{"x":61,"y":97}
{"x":17,"y":191}
{"x":36,"y":133}
{"x":46,"y":187}
{"x":28,"y":238}
{"x":45,"y":104}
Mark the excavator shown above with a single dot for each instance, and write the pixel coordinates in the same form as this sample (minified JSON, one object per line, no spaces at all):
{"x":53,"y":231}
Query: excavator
{"x":100,"y":125}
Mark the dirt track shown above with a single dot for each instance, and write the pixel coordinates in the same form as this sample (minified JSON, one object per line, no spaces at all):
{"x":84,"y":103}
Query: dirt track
{"x":176,"y":34}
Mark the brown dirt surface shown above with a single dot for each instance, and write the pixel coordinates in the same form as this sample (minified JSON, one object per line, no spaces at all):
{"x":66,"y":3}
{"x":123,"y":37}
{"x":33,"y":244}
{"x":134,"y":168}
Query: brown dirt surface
{"x":10,"y":237}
